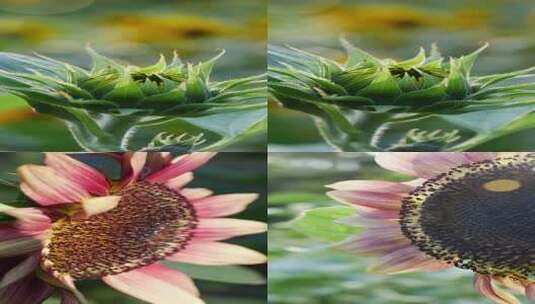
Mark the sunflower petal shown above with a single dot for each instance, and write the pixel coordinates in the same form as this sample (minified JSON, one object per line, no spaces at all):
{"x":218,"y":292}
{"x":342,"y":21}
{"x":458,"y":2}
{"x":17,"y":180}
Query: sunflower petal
{"x":180,"y":165}
{"x":217,"y":229}
{"x":222,"y":205}
{"x":217,"y":253}
{"x":87,"y":177}
{"x":483,"y":284}
{"x":155,"y":284}
{"x":46,"y":187}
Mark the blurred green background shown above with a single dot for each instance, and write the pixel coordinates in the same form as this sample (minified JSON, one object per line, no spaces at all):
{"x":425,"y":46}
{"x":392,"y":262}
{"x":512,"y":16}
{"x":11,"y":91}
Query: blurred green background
{"x":226,"y":173}
{"x":396,"y":29}
{"x":135,"y":31}
{"x":302,"y":267}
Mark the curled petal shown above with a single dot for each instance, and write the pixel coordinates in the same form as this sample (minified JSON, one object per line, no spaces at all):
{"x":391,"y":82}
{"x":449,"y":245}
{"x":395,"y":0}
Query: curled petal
{"x":483,"y":284}
{"x":132,"y":164}
{"x":100,"y":204}
{"x":222,"y":205}
{"x":195,"y":193}
{"x":180,"y":181}
{"x":223,"y":228}
{"x":180,"y":165}
{"x":46,"y":187}
{"x":216,"y":253}
{"x":156,"y":284}
{"x":87,"y":177}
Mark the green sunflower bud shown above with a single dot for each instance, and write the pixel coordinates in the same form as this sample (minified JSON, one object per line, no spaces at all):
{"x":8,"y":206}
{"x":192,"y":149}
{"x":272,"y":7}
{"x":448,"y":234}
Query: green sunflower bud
{"x":103,"y":105}
{"x":423,"y":84}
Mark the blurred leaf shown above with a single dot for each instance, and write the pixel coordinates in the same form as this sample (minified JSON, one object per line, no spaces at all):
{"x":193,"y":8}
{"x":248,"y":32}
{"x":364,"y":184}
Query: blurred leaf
{"x":282,"y":198}
{"x":321,"y":223}
{"x":224,"y":274}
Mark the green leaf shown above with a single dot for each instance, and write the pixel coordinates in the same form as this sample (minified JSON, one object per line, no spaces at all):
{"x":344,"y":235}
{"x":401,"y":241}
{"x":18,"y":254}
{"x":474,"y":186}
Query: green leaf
{"x":457,"y":86}
{"x":321,"y":223}
{"x":384,"y":87}
{"x":356,"y":56}
{"x":425,"y":96}
{"x":155,"y":68}
{"x":467,"y":62}
{"x":223,"y":274}
{"x":418,"y":60}
{"x":126,"y":91}
{"x":283,"y":198}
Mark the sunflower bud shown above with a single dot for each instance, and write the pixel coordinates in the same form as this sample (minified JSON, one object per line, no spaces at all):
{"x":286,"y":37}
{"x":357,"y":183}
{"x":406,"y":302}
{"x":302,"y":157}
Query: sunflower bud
{"x":423,"y":84}
{"x":102,"y":105}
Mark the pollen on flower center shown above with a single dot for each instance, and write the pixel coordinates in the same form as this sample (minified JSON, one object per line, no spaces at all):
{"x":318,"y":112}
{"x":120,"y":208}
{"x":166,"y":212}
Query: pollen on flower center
{"x":478,"y":216}
{"x":149,"y":223}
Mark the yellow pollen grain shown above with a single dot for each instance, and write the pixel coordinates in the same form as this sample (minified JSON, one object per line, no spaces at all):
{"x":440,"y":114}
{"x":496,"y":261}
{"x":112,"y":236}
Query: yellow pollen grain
{"x":502,"y":185}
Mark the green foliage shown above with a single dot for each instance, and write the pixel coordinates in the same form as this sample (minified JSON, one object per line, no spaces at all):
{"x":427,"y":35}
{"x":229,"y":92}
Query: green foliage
{"x":321,"y":223}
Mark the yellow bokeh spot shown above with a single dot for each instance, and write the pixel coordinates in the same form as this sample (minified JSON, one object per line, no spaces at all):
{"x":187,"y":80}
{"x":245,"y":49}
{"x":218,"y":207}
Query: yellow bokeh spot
{"x":502,"y":185}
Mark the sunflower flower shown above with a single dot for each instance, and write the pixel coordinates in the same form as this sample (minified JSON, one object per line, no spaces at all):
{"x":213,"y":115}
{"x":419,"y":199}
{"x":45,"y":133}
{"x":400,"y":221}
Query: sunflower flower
{"x":88,"y":227}
{"x":472,"y":211}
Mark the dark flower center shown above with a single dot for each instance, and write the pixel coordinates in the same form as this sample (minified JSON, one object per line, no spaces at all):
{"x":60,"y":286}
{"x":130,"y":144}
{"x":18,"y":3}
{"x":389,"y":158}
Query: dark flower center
{"x":149,"y":223}
{"x":479,"y":217}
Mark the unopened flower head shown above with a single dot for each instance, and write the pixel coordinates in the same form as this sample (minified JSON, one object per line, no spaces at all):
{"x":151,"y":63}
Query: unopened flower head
{"x":175,"y":88}
{"x":423,"y":84}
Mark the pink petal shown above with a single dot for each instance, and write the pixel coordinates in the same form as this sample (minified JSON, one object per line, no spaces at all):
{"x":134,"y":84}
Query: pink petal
{"x":382,"y":201}
{"x":100,"y":204}
{"x":373,"y":246}
{"x":530,"y":292}
{"x":132,"y":164}
{"x":25,"y":214}
{"x":156,"y":284}
{"x":20,"y":271}
{"x":87,"y":177}
{"x":46,"y":187}
{"x":480,"y":156}
{"x":407,"y":259}
{"x":374,"y":241}
{"x":67,"y":297}
{"x":192,"y":194}
{"x":29,"y":290}
{"x":181,"y":165}
{"x":216,"y":253}
{"x":222,"y":205}
{"x":223,"y":228}
{"x":371,"y":186}
{"x":425,"y":164}
{"x":180,"y":181}
{"x":19,"y":246}
{"x":483,"y":284}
